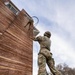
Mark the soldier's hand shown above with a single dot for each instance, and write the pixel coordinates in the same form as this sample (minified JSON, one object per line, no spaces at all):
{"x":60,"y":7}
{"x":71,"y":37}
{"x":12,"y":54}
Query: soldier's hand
{"x":33,"y":38}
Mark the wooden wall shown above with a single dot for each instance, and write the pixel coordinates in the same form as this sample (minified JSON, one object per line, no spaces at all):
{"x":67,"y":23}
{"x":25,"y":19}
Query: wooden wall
{"x":15,"y":43}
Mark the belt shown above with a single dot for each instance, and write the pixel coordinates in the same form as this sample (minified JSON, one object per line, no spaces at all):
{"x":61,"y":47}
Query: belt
{"x":45,"y":48}
{"x":41,"y":53}
{"x":45,"y":55}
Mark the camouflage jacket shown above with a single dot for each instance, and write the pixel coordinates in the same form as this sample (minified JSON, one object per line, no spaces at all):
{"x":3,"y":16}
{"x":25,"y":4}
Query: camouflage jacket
{"x":44,"y":42}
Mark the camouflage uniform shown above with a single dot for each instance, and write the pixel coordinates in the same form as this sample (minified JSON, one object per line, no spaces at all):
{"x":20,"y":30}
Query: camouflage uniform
{"x":45,"y":56}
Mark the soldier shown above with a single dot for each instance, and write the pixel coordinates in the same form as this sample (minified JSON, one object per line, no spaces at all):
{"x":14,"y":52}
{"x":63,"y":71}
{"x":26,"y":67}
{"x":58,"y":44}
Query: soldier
{"x":44,"y":55}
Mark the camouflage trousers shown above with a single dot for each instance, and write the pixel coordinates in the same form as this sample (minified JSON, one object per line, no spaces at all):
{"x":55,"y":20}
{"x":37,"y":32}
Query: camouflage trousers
{"x":44,"y":57}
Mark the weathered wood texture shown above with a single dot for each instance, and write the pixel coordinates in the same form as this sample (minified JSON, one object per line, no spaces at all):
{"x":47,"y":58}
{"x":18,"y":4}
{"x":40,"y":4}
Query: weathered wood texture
{"x":15,"y":43}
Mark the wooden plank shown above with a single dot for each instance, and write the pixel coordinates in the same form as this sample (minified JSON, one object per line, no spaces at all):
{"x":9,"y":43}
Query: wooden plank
{"x":19,"y":34}
{"x":7,"y":71}
{"x":24,"y":44}
{"x":5,"y":20}
{"x":7,"y":52}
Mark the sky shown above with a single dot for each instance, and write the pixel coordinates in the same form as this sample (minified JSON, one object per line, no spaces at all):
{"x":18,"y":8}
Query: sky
{"x":58,"y":17}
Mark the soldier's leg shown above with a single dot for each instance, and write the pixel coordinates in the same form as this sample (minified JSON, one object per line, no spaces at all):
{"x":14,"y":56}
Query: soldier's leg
{"x":41,"y":64}
{"x":51,"y":65}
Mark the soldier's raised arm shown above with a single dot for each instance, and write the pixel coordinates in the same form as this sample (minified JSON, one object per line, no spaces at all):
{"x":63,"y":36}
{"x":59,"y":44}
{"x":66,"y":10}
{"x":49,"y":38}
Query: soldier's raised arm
{"x":38,"y":38}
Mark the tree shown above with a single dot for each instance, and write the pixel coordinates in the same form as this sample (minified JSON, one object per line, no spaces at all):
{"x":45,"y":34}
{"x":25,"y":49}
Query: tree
{"x":65,"y":69}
